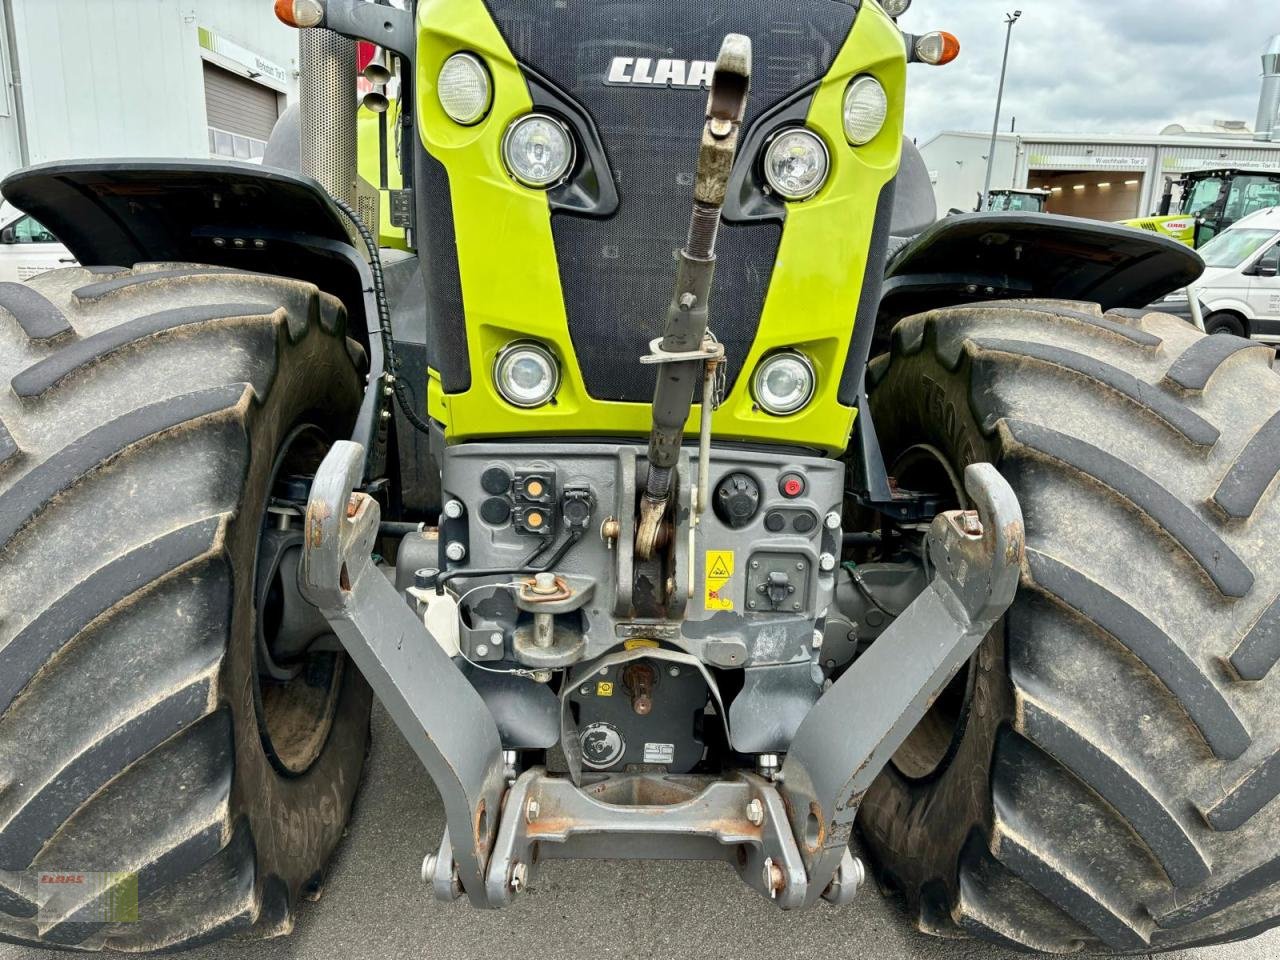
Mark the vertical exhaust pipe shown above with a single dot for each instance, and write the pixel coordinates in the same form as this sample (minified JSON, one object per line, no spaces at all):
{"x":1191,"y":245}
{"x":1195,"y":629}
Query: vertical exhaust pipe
{"x":1268,"y":125}
{"x":327,"y":108}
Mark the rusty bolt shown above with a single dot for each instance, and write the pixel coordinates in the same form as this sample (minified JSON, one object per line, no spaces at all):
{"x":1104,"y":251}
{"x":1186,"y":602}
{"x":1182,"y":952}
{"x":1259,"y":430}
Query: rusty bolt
{"x":775,"y":881}
{"x":531,"y":810}
{"x":971,"y":523}
{"x":611,"y":529}
{"x":353,"y":505}
{"x":519,"y":877}
{"x":755,"y":811}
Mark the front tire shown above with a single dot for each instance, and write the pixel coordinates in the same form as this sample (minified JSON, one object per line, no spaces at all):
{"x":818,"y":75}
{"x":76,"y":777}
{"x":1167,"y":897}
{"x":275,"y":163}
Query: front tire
{"x":1106,"y":774}
{"x":144,"y":418}
{"x":1225,"y":324}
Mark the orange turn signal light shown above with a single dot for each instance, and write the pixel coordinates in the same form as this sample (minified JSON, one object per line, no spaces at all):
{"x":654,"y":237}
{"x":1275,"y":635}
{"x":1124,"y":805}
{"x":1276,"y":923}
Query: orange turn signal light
{"x":300,"y":13}
{"x":937,"y":48}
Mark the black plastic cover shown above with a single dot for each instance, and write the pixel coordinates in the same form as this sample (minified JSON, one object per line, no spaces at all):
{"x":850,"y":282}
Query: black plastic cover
{"x":123,"y":212}
{"x":995,"y":256}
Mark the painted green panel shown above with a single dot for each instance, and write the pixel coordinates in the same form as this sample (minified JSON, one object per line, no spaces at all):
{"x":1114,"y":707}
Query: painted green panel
{"x":507,"y":259}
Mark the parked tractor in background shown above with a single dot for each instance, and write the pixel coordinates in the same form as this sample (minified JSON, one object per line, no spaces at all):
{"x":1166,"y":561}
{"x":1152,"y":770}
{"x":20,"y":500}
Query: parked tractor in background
{"x":594,"y":483}
{"x":1209,"y":201}
{"x":1017,"y":201}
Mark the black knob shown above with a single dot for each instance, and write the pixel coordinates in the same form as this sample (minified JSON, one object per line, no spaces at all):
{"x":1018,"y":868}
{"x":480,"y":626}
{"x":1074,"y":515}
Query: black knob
{"x":496,"y":481}
{"x":737,"y":500}
{"x":495,"y":511}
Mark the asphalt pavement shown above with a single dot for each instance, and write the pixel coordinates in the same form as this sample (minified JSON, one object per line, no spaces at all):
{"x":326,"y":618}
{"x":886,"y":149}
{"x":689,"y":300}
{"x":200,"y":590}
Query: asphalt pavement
{"x":375,"y":908}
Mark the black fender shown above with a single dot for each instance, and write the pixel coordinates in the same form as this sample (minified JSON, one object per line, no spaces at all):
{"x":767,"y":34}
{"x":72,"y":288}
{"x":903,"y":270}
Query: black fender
{"x":969,"y":258}
{"x":224,"y":213}
{"x":1001,"y":256}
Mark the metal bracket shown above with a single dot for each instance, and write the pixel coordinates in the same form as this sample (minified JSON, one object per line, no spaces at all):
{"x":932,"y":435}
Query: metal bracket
{"x":849,"y":736}
{"x":652,"y":817}
{"x":711,"y":351}
{"x":382,"y":25}
{"x":441,"y":715}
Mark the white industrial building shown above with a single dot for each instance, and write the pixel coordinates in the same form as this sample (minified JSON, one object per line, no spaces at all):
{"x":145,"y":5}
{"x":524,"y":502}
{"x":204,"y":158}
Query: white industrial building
{"x":1105,"y":176}
{"x":136,"y":78}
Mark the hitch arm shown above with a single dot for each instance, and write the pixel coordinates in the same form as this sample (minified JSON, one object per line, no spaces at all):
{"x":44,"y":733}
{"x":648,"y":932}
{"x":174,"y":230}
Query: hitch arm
{"x":857,"y":725}
{"x":445,"y":721}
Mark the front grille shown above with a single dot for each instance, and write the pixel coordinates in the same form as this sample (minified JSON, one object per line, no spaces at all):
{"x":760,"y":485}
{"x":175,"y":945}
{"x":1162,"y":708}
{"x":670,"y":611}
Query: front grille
{"x":617,"y":272}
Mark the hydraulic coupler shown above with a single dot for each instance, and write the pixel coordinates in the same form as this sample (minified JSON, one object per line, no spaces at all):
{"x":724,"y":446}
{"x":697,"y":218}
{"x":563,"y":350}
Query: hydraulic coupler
{"x":680,"y":353}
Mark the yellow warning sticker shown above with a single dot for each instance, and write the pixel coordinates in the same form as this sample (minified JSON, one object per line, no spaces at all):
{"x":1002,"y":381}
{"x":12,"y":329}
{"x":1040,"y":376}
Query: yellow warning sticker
{"x":719,"y":571}
{"x":638,"y":644}
{"x":604,"y":689}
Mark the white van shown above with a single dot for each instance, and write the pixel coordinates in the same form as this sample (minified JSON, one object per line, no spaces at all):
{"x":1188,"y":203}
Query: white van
{"x":26,"y":247}
{"x":1240,"y":290}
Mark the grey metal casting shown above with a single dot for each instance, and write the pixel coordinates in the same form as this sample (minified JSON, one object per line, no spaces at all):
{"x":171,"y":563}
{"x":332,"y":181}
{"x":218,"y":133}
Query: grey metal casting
{"x":852,"y":732}
{"x":441,"y":715}
{"x":688,"y":818}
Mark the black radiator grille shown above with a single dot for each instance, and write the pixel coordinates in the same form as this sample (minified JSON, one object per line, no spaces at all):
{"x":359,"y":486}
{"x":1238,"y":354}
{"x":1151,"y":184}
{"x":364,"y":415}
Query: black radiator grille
{"x":616,"y":273}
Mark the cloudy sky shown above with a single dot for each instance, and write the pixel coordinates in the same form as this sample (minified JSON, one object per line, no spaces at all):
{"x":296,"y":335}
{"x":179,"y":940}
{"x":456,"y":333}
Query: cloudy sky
{"x":1122,"y":66}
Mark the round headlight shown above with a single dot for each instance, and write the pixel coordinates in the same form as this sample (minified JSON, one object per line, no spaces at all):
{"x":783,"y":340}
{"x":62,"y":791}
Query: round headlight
{"x":526,"y":374}
{"x":895,"y":8}
{"x":796,"y":163}
{"x":538,"y":150}
{"x":865,"y":107}
{"x":464,"y":89}
{"x":784,"y":383}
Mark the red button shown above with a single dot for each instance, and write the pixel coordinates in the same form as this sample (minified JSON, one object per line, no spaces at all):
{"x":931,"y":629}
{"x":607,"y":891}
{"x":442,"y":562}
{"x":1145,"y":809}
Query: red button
{"x":792,"y":486}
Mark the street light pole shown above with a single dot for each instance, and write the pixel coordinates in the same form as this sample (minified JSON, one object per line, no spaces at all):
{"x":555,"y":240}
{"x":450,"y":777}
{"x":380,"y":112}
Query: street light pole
{"x":1010,"y":19}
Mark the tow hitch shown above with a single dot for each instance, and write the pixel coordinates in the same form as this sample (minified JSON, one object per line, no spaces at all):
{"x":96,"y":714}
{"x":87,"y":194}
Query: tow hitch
{"x":788,"y":836}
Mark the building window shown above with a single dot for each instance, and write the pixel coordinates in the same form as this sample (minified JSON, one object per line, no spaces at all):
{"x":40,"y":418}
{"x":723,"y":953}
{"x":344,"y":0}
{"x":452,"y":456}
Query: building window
{"x":223,"y":143}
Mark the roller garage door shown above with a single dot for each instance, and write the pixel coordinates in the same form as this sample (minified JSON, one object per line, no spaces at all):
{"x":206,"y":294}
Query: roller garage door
{"x":1090,"y":193}
{"x":240,"y":112}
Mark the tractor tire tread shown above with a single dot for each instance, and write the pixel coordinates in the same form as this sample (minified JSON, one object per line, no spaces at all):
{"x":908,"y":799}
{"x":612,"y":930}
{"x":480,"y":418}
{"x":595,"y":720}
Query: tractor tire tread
{"x":36,"y":314}
{"x":127,"y":436}
{"x":1123,"y":793}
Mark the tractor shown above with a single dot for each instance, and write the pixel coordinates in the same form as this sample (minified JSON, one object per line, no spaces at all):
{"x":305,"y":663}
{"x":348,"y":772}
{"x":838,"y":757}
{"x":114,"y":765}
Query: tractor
{"x":564,"y":441}
{"x":1210,"y":200}
{"x":1020,"y":201}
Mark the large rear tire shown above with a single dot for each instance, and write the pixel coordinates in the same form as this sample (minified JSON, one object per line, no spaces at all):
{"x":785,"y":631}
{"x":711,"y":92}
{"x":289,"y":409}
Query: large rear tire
{"x":1102,"y":776}
{"x":145,"y":417}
